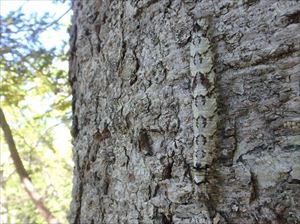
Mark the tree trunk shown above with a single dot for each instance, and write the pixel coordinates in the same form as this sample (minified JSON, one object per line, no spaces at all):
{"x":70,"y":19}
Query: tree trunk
{"x":186,"y":111}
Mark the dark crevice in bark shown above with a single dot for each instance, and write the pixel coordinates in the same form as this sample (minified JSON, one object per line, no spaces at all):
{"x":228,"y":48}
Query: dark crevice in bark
{"x":254,"y":188}
{"x":144,"y":143}
{"x":156,"y":189}
{"x":140,"y":11}
{"x":252,"y":2}
{"x":167,"y":171}
{"x":92,"y":18}
{"x":263,"y":60}
{"x":293,"y":18}
{"x":127,"y":156}
{"x":188,"y":171}
{"x":122,"y":56}
{"x":133,"y":80}
{"x":134,"y":76}
{"x":74,"y":128}
{"x":235,"y":143}
{"x":124,"y":44}
{"x":79,"y":193}
{"x":166,"y":219}
{"x":101,"y":136}
{"x":256,"y":150}
{"x":106,"y":184}
{"x":91,"y":47}
{"x":73,"y":40}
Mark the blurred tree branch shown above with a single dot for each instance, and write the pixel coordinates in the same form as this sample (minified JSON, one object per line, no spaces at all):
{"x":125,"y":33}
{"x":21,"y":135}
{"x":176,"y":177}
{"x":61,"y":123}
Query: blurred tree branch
{"x":24,"y":177}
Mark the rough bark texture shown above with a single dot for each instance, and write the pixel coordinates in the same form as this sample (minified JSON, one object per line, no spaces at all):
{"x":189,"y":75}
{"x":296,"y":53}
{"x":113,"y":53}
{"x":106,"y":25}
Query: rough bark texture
{"x":186,"y":111}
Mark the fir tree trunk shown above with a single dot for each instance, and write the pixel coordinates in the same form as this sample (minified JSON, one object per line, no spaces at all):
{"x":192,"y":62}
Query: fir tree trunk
{"x":186,"y":111}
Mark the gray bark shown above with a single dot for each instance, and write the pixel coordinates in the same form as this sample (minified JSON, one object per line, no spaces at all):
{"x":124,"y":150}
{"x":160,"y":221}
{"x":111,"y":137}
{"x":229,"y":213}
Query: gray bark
{"x":186,"y":111}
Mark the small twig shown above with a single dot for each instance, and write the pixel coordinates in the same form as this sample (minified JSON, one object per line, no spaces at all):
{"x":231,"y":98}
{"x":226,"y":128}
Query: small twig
{"x":55,"y":21}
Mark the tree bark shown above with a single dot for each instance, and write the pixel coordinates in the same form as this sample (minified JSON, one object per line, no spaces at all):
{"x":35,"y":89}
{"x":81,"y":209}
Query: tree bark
{"x":185,"y":111}
{"x":24,"y":177}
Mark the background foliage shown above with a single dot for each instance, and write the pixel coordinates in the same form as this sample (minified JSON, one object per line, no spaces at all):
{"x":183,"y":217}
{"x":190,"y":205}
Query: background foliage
{"x":35,"y":97}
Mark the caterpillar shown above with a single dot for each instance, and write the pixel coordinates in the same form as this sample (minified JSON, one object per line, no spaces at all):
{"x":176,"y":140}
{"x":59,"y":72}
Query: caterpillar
{"x":204,"y":100}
